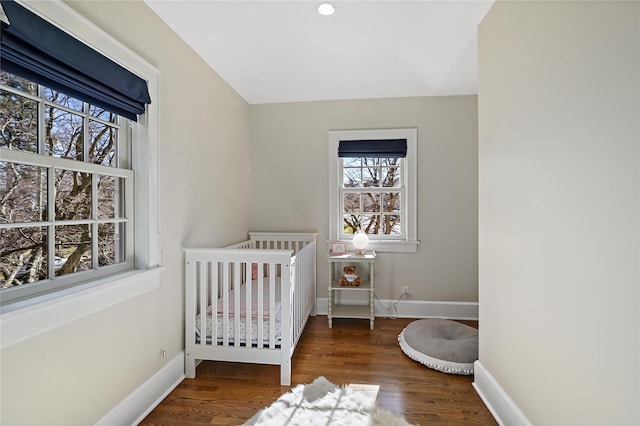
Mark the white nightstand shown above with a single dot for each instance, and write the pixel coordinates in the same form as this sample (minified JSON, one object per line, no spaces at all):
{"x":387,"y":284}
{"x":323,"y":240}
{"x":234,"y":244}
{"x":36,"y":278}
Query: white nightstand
{"x":365,"y":270}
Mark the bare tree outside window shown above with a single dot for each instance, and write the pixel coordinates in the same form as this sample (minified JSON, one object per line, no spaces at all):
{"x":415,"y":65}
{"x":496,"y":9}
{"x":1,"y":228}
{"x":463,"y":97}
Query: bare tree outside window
{"x":371,"y":191}
{"x":62,"y":208}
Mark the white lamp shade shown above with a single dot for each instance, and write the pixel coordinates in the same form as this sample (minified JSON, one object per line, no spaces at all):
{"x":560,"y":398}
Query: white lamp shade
{"x":326,"y":9}
{"x":360,"y":242}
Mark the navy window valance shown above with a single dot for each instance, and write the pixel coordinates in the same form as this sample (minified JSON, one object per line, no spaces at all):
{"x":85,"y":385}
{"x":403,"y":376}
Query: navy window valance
{"x":35,"y":49}
{"x":377,"y":148}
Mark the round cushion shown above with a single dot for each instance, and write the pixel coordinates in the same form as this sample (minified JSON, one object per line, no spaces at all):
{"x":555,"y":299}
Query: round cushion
{"x":444,"y":345}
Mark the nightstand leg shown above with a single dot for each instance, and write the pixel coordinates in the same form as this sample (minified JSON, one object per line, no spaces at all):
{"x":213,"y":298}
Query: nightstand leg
{"x":330,"y":295}
{"x":372,"y":294}
{"x":329,"y":309}
{"x":372,"y":310}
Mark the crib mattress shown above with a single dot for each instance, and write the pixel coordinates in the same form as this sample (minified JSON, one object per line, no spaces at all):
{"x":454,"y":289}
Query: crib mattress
{"x":266,"y":326}
{"x":253,"y":321}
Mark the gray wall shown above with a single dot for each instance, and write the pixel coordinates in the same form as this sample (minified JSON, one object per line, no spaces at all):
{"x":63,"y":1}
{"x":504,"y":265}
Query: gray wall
{"x":559,"y":171}
{"x":78,"y":372}
{"x":289,"y":185}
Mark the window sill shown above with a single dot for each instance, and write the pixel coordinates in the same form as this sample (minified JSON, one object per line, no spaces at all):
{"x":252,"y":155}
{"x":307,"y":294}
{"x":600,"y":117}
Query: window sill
{"x":394,"y":246}
{"x":388,"y":246}
{"x":20,"y":322}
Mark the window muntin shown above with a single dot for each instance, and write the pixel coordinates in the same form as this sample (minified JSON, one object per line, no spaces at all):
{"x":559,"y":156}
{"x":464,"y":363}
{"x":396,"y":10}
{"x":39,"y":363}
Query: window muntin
{"x":66,"y":191}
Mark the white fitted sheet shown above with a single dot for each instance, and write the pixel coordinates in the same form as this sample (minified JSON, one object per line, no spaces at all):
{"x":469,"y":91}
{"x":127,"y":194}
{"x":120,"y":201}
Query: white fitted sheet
{"x":253,"y":323}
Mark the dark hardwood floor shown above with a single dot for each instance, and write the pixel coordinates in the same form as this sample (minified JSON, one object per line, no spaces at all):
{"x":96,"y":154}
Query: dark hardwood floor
{"x":225,"y":393}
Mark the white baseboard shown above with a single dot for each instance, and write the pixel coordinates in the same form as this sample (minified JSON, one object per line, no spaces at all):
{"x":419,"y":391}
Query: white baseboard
{"x":416,"y":309}
{"x":501,"y":406}
{"x":135,"y":407}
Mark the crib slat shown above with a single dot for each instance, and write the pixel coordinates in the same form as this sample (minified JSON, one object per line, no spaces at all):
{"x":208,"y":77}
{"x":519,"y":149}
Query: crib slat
{"x":248,"y":314}
{"x":293,"y":295}
{"x":202,"y":295}
{"x":213,"y":300}
{"x":286,"y":324}
{"x":190,"y":319}
{"x":190,"y":300}
{"x":225,"y":303}
{"x":236,"y":303}
{"x":272,"y":303}
{"x":260,"y":325}
{"x":298,"y":293}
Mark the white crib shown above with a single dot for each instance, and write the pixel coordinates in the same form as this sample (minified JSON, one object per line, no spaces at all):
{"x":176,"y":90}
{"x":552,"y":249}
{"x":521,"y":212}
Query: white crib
{"x":249,"y":302}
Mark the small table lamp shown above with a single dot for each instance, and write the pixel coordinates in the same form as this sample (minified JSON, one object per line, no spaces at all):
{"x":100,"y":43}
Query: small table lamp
{"x":360,"y":242}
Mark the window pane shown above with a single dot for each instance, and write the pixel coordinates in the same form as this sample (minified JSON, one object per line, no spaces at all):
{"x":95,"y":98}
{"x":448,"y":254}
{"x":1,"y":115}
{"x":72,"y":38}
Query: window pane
{"x":351,"y":162}
{"x":73,"y":195}
{"x":371,"y":177}
{"x":110,"y":190}
{"x":372,"y":162}
{"x":102,"y":144}
{"x":391,"y":202}
{"x":73,"y":245}
{"x":391,"y":177}
{"x":102,"y":114}
{"x":351,"y":223}
{"x":110,"y":243}
{"x":23,"y":193}
{"x":18,"y":83}
{"x":23,"y":255}
{"x":18,"y":122}
{"x":62,"y":99}
{"x":352,"y":177}
{"x":371,"y":202}
{"x":63,"y":134}
{"x":371,"y":224}
{"x":352,"y":202}
{"x":391,"y":225}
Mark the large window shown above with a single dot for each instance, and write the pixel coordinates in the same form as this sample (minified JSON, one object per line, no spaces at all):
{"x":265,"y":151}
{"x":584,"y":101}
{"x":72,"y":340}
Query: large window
{"x":374,"y":190}
{"x":66,"y":190}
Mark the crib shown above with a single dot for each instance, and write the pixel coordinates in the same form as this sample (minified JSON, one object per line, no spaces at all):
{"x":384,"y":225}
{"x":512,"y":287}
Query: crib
{"x":249,"y":302}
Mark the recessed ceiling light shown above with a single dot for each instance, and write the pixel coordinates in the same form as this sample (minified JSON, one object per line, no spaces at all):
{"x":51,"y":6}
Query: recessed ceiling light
{"x":326,"y":9}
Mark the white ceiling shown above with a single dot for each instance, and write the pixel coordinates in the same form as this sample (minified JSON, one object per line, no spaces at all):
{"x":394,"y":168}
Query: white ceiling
{"x":284,"y":51}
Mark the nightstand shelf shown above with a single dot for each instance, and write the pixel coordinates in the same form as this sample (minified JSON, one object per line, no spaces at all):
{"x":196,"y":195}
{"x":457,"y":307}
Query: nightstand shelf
{"x":359,"y":300}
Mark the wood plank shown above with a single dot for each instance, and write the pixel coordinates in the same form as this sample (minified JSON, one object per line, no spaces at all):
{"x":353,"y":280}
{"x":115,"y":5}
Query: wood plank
{"x":227,"y":393}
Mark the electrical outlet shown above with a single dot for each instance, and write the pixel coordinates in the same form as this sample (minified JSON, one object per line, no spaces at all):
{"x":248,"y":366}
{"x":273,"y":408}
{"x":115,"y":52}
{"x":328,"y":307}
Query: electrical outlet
{"x":405,"y":293}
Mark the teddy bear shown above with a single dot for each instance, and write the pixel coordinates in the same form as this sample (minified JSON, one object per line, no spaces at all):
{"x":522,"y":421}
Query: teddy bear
{"x":350,"y":279}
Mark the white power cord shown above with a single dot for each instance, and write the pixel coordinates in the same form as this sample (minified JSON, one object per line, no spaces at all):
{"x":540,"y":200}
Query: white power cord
{"x":386,"y":308}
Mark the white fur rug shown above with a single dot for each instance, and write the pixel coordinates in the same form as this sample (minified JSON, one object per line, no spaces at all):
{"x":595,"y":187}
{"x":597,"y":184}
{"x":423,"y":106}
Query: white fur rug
{"x":323,"y":403}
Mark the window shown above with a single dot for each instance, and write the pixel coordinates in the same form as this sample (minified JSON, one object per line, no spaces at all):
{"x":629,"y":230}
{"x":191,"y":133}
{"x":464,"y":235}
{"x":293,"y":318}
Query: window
{"x":74,"y":195}
{"x":65,"y":213}
{"x":372,"y":187}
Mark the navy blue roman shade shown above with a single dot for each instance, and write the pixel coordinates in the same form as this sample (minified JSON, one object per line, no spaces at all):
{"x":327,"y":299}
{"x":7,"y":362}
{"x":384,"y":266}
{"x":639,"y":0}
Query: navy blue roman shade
{"x":377,"y":148}
{"x":37,"y":50}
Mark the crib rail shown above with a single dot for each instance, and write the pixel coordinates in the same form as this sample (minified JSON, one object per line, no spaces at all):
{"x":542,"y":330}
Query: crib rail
{"x":225,"y":275}
{"x":282,"y":241}
{"x":233,"y":296}
{"x":303,"y":281}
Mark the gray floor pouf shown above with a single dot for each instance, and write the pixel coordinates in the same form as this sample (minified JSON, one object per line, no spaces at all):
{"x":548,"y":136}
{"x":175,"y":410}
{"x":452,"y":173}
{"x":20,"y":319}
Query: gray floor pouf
{"x":444,"y":345}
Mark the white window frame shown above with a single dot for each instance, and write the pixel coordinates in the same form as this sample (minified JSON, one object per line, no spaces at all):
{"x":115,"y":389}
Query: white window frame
{"x":27,"y":318}
{"x":409,"y":242}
